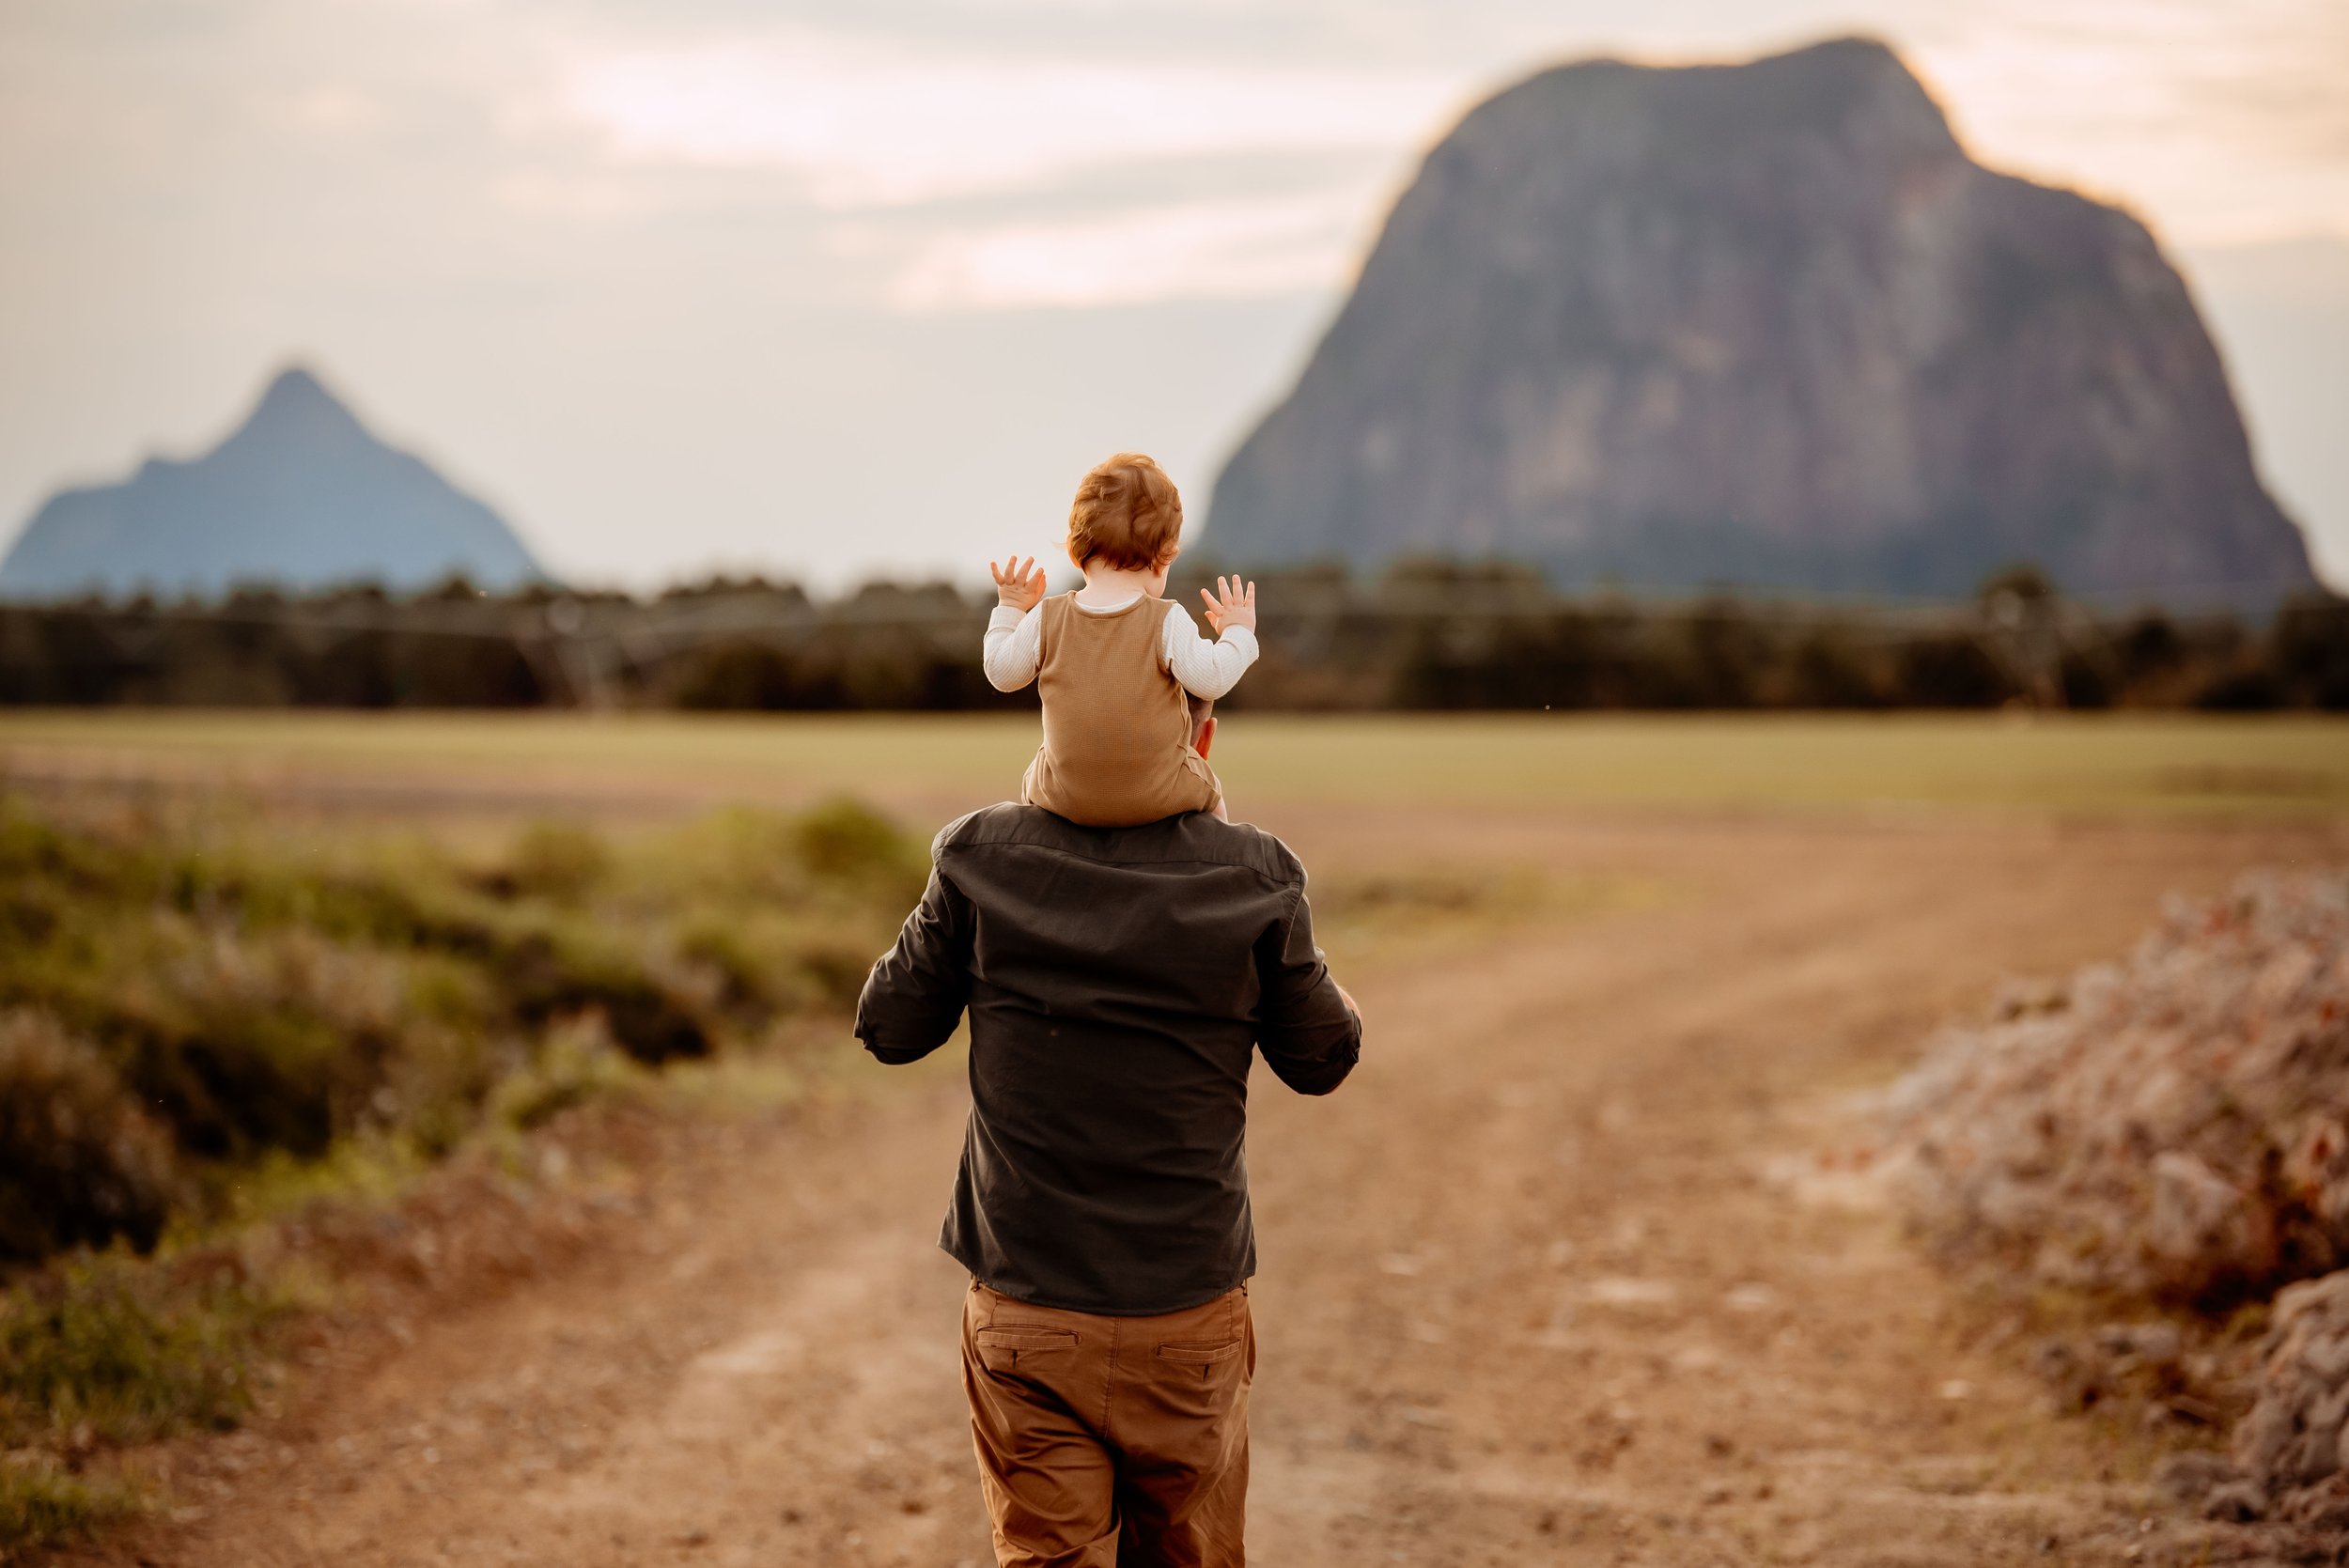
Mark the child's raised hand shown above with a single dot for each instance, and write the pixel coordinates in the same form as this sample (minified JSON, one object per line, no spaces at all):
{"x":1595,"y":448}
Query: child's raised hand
{"x":1232,"y":603}
{"x":1019,"y":584}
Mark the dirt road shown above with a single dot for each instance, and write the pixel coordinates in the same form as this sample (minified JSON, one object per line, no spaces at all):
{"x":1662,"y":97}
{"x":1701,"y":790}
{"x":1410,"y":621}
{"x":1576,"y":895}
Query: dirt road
{"x":1558,"y":1277}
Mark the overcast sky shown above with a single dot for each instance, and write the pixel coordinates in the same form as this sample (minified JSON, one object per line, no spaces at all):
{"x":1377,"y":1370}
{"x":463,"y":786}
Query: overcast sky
{"x":859,"y":288}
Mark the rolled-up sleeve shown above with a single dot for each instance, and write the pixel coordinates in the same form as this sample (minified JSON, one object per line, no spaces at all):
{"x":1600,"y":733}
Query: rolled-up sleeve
{"x":1310,"y":1037}
{"x":916,"y":993}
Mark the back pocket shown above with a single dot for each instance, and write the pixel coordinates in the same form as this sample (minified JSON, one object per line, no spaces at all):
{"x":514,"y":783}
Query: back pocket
{"x":1001,"y":1349}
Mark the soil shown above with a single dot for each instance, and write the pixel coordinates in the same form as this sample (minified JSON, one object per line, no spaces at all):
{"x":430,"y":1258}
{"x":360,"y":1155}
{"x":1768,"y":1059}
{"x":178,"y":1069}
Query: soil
{"x":1571,"y":1271}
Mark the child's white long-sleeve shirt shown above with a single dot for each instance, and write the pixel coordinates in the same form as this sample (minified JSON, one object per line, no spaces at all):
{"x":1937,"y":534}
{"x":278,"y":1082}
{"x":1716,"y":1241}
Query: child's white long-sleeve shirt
{"x":1203,"y":668}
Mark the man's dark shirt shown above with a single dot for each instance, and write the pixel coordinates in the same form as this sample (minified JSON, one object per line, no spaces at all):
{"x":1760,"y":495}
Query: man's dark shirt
{"x":1118,"y":981}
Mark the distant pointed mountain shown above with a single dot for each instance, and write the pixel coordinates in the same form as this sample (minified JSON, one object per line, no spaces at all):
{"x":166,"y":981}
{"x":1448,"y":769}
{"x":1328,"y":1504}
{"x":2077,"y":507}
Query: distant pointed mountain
{"x":1763,"y":324}
{"x":303,"y":496}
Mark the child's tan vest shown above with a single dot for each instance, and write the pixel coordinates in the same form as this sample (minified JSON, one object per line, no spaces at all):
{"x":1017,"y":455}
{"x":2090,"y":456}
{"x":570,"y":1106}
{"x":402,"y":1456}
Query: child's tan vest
{"x":1116,"y":728}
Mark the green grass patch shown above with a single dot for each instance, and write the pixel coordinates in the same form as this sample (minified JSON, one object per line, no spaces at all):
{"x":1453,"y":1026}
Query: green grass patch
{"x":199,"y":1007}
{"x":1373,"y":916}
{"x":212,"y":1023}
{"x":107,"y":1351}
{"x":2169,"y":763}
{"x":42,"y":1503}
{"x":2083,"y":764}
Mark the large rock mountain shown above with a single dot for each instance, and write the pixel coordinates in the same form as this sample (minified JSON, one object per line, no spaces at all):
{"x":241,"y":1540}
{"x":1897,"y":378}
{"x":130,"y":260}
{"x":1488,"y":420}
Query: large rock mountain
{"x":301,"y":496}
{"x":1763,"y":324}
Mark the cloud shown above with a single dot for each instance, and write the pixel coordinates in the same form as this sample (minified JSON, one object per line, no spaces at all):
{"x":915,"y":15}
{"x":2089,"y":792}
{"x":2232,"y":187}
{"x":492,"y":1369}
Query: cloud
{"x":862,"y":126}
{"x":1195,"y":249}
{"x":627,"y":261}
{"x":2225,"y":123}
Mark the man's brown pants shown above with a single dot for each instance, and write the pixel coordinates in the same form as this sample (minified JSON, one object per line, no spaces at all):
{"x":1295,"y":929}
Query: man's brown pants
{"x":1111,"y":1443}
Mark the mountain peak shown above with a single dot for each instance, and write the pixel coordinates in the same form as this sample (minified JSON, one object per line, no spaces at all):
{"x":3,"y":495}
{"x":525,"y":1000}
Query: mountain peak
{"x":1765,"y":324}
{"x":301,"y":495}
{"x":1867,"y":68}
{"x":297,"y":380}
{"x":1861,"y":50}
{"x":296,"y":403}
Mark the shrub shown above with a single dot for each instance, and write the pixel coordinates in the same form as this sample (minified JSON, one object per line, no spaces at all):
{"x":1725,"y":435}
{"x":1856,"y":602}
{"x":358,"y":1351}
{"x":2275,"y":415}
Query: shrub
{"x":836,"y":969}
{"x":1826,"y":671}
{"x":847,"y":842}
{"x":258,"y":1040}
{"x":557,"y":861}
{"x":577,"y":1065}
{"x":2246,"y":689}
{"x":184,"y":1005}
{"x":115,"y":1351}
{"x":735,"y":857}
{"x":746,"y":675}
{"x":554,"y":972}
{"x":1725,"y":649}
{"x":2310,"y":648}
{"x":2150,"y":646}
{"x":41,"y":1503}
{"x":200,"y":1029}
{"x":432,"y":1087}
{"x":80,"y":1163}
{"x":753,"y":958}
{"x":1949,"y":672}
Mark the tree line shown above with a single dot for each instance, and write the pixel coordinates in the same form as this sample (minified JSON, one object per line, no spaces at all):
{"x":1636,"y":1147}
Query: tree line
{"x":1421,"y":635}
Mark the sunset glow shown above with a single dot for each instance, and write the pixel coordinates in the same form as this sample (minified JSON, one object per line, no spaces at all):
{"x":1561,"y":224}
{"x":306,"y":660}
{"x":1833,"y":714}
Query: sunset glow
{"x":672,"y":246}
{"x":867,"y":127}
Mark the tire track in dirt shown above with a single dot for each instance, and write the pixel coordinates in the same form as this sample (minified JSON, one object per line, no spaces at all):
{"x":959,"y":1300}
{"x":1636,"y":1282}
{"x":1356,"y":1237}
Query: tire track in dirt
{"x":1550,"y":1280}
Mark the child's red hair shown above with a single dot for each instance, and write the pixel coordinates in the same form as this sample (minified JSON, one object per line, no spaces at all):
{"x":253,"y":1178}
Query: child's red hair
{"x":1128,"y":515}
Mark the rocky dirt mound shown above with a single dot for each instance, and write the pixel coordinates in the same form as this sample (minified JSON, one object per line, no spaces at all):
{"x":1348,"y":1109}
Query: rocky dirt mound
{"x":2173,"y":1130}
{"x":2176,"y":1127}
{"x":2294,"y":1446}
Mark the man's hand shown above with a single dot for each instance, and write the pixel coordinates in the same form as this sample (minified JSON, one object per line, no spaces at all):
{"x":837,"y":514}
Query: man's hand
{"x":1232,"y":603}
{"x":1019,"y":584}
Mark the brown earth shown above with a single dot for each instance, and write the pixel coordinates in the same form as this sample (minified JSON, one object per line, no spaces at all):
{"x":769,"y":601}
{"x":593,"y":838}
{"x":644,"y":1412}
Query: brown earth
{"x":1561,"y":1274}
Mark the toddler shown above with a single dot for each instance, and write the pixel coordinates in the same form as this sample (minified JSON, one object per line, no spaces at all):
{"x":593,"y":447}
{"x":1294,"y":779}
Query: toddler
{"x":1113,"y":660}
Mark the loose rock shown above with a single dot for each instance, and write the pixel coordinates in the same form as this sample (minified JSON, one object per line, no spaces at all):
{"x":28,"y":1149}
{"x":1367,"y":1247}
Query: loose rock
{"x":2294,"y":1444}
{"x":2174,"y":1128}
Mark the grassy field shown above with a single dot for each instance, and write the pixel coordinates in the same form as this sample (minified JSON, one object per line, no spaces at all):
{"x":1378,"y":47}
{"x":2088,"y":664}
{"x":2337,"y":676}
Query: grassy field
{"x":206,"y":1000}
{"x":2069,"y":763}
{"x":214,"y":1021}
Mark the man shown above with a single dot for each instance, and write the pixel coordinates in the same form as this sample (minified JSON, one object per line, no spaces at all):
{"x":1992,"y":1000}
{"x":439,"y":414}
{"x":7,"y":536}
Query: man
{"x":1119,"y":981}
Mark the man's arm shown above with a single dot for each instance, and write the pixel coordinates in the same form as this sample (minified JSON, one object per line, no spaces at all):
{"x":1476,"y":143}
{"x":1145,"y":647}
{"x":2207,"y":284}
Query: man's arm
{"x":1307,"y":1028}
{"x":915,"y":995}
